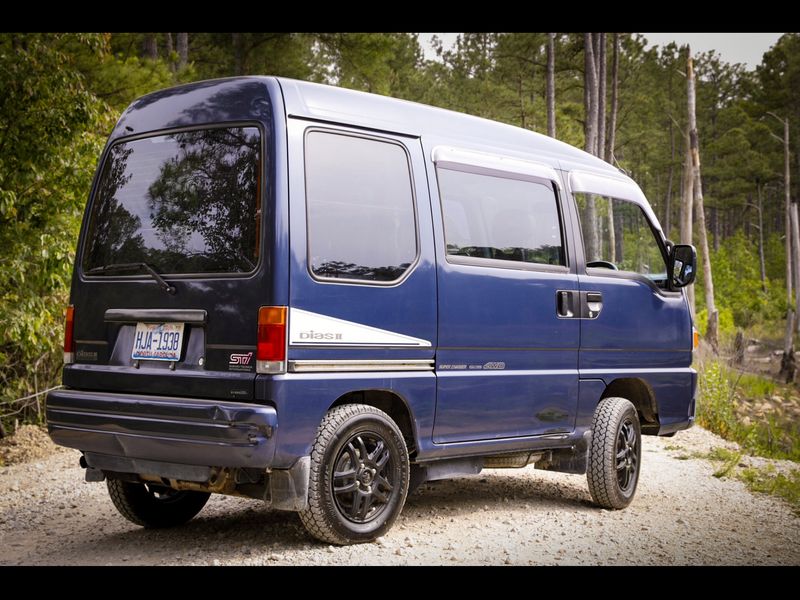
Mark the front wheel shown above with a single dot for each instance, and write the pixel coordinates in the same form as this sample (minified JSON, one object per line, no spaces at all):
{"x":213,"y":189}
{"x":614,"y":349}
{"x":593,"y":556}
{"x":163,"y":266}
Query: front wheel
{"x":359,"y":476}
{"x":155,"y":506}
{"x":615,"y":453}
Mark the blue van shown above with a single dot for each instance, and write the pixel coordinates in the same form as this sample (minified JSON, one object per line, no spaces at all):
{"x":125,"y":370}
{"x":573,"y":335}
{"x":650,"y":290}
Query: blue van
{"x":321,"y":298}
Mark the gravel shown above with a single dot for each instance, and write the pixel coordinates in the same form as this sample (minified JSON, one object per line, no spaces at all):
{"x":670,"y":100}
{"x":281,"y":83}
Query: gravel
{"x":682,"y":515}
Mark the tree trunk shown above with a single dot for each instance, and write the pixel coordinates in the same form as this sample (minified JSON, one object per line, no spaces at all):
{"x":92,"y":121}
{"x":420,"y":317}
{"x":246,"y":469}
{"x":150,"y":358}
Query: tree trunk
{"x":796,"y":258}
{"x":183,"y":50}
{"x":551,"y":85}
{"x":738,"y":349}
{"x":788,"y":367}
{"x":619,"y":242}
{"x":787,"y":203}
{"x":668,"y":195}
{"x":589,"y":95}
{"x":590,"y":138}
{"x":151,"y":46}
{"x":611,"y":139}
{"x":600,"y":58}
{"x":238,"y":54}
{"x":687,"y":204}
{"x":763,"y":270}
{"x":712,"y":334}
{"x":169,"y":50}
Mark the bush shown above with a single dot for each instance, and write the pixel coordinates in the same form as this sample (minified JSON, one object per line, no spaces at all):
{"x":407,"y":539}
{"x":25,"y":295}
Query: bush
{"x":49,"y":133}
{"x":720,"y":391}
{"x":727,"y":327}
{"x":737,"y":282}
{"x":715,"y":407}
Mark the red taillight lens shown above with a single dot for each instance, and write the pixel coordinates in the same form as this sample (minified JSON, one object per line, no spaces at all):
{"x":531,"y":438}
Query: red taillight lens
{"x":271,"y":345}
{"x":69,"y":340}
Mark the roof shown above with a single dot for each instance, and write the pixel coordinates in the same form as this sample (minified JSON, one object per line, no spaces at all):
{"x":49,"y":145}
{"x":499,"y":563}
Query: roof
{"x":252,"y":98}
{"x":330,"y":103}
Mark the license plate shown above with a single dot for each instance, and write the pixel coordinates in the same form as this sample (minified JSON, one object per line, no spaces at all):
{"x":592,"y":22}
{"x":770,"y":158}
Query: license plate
{"x":157,"y":341}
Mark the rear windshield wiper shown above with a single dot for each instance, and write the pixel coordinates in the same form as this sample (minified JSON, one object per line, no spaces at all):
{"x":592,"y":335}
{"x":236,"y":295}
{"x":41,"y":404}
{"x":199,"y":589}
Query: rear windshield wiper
{"x":170,"y":289}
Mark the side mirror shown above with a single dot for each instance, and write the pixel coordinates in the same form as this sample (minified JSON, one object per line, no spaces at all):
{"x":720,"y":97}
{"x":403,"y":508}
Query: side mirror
{"x":682,"y":265}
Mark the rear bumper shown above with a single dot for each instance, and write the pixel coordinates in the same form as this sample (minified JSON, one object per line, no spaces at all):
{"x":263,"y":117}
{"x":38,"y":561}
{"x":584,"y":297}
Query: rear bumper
{"x":167,"y":429}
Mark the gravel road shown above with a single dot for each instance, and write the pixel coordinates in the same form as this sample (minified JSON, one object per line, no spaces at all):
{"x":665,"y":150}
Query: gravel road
{"x":681,"y":515}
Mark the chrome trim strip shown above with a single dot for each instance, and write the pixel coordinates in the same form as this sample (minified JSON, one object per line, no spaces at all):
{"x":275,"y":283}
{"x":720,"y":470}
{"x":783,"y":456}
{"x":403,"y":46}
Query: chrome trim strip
{"x":316,"y":366}
{"x":155,"y":315}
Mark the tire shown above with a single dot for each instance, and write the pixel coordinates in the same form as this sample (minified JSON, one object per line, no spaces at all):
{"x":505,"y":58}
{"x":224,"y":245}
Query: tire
{"x":371,"y":492}
{"x":615,"y":453}
{"x":153,"y":506}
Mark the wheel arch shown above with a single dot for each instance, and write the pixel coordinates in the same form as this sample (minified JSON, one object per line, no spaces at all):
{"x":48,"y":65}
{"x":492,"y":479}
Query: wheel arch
{"x":641,"y":395}
{"x":390,"y":402}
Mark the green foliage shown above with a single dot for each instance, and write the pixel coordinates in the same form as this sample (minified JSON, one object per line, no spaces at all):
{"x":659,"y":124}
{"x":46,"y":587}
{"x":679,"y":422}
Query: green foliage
{"x":48,"y":150}
{"x":765,"y":480}
{"x":768,"y":481}
{"x":715,"y":408}
{"x":727,"y":328}
{"x":721,"y":390}
{"x":755,"y":386}
{"x":729,"y":460}
{"x":737,"y":285}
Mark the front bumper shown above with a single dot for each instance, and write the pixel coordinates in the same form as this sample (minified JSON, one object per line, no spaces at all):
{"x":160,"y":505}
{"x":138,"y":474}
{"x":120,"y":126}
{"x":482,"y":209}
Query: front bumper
{"x":188,"y":431}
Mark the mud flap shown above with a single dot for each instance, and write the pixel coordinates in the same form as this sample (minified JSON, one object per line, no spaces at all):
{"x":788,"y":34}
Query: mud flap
{"x":288,"y":488}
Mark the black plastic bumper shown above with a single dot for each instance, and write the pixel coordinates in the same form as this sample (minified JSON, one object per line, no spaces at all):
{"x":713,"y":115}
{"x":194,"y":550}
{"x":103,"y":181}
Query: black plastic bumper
{"x":178,"y":430}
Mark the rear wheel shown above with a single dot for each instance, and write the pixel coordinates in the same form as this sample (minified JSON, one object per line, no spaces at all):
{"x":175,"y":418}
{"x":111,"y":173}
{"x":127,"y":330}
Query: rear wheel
{"x":359,"y":476}
{"x":615,"y":453}
{"x":155,"y":506}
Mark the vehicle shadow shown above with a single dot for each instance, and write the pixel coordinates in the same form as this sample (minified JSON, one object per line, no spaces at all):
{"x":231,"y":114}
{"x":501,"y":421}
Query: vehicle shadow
{"x":229,"y":528}
{"x":498,"y":488}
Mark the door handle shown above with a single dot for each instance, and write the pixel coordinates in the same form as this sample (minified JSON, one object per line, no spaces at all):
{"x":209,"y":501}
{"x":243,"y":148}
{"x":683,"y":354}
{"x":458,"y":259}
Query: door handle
{"x":565,"y":304}
{"x":592,"y":304}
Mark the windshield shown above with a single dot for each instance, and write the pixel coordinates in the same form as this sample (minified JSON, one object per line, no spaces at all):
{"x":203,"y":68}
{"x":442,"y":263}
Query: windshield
{"x":185,"y":202}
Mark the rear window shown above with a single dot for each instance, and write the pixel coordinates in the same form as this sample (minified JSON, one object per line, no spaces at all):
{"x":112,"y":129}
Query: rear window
{"x":361,"y":222}
{"x":186,"y":202}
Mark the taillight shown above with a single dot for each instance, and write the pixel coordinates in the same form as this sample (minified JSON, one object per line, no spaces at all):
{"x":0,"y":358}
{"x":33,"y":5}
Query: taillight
{"x":271,"y":344}
{"x":69,"y":340}
{"x":695,"y":339}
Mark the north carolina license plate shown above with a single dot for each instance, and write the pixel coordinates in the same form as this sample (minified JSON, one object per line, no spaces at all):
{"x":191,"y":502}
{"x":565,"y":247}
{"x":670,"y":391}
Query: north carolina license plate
{"x":157,"y":341}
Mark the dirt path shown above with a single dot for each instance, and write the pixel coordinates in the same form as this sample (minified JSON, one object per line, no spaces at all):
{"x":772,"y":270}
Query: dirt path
{"x":681,"y":515}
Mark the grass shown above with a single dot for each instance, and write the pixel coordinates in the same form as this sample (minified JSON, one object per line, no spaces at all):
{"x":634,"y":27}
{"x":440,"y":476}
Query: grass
{"x":768,"y":481}
{"x":721,"y":390}
{"x":764,"y":480}
{"x":755,"y":386}
{"x":728,"y":458}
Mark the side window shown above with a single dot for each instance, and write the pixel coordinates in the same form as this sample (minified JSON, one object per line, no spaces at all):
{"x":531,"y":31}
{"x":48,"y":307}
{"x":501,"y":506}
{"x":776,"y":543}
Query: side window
{"x":618,"y":234}
{"x":360,"y":208}
{"x":495,"y":217}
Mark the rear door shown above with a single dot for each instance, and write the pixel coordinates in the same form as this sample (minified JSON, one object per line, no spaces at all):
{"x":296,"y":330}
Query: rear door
{"x":188,"y":204}
{"x":508,"y":349}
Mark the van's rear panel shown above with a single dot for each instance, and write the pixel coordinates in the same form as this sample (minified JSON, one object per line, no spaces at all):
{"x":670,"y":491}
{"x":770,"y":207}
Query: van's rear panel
{"x":174,"y":260}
